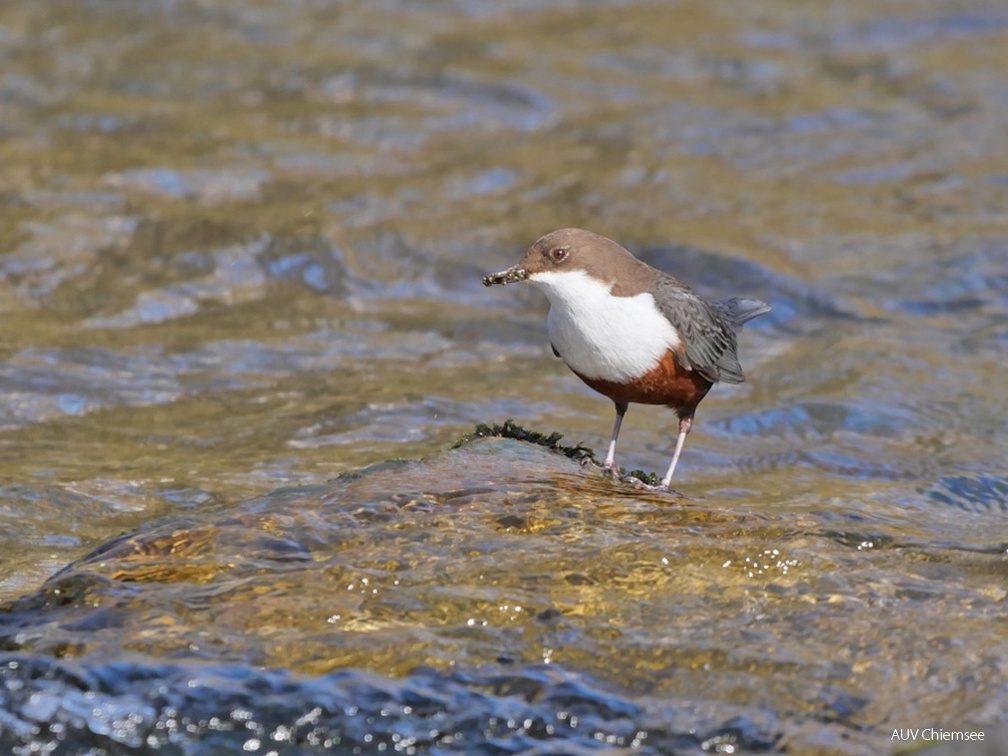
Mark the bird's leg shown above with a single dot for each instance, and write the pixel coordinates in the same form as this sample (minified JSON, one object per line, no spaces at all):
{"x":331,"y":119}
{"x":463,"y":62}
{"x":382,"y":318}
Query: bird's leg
{"x":609,"y":466}
{"x":685,"y":423}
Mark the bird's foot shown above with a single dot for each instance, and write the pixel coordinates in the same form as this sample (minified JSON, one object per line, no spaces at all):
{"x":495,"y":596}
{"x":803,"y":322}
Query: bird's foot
{"x":636,"y":483}
{"x":639,"y":485}
{"x":642,"y":481}
{"x":636,"y":479}
{"x":612,"y":470}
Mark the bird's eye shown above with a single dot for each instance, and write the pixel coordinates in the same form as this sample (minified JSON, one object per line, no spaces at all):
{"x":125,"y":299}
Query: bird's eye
{"x":559,"y":254}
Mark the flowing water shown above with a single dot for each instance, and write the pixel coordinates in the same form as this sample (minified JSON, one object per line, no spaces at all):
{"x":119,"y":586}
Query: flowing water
{"x":241,"y":246}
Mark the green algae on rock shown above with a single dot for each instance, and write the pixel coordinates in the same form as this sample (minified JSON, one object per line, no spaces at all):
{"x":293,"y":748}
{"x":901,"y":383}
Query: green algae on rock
{"x":510,"y":429}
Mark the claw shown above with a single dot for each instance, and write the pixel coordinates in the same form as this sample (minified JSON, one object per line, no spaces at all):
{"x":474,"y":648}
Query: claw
{"x":613,"y":471}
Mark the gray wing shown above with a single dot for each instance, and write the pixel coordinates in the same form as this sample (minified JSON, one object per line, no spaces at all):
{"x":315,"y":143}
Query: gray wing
{"x":707,"y":333}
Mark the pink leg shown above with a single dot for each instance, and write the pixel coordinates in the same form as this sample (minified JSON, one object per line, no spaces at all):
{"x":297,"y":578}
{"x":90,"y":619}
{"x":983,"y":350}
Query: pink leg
{"x":610,"y":465}
{"x":685,"y":423}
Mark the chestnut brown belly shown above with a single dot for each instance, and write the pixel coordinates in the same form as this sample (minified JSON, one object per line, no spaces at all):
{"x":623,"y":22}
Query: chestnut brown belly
{"x":667,"y":383}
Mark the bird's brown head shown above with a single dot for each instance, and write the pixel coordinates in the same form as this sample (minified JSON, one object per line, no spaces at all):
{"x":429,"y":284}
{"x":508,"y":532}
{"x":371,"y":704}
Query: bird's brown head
{"x":567,"y":249}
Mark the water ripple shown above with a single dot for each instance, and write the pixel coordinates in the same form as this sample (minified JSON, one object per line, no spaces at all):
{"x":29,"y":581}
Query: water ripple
{"x":210,"y":709}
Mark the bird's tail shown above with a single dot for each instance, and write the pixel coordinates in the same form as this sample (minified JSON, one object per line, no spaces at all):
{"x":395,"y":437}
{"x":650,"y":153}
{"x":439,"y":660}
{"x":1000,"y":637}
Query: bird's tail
{"x":739,"y":311}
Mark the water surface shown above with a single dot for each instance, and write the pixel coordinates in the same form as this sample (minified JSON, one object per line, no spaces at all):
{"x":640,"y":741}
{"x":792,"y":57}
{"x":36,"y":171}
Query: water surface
{"x":240,"y":252}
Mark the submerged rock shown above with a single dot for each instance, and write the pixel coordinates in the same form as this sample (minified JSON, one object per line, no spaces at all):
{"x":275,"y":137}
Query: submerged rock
{"x":490,"y":598}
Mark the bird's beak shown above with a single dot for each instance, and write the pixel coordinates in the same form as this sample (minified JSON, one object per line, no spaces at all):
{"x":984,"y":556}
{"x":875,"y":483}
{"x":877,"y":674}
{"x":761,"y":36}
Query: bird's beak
{"x":511,"y":275}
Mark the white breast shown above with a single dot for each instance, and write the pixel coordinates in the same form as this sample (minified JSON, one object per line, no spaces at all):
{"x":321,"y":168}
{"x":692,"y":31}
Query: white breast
{"x":602,"y":336}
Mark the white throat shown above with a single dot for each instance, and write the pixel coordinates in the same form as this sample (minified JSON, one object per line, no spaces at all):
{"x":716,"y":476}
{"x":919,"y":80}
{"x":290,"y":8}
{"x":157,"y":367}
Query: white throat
{"x":600,"y":335}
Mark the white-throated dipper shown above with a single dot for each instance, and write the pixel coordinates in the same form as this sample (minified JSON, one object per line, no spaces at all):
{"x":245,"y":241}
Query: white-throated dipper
{"x":630,"y":331}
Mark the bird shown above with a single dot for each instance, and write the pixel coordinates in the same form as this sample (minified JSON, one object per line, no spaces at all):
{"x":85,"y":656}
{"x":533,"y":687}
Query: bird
{"x":632,"y":332}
